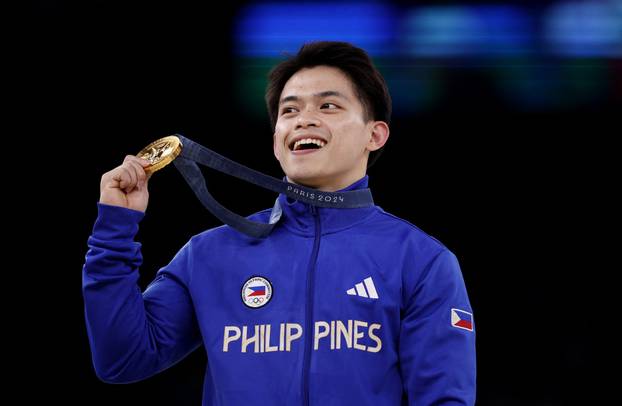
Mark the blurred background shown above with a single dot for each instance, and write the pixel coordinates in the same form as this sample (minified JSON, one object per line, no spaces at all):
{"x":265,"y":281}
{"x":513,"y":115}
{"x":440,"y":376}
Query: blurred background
{"x":505,"y":115}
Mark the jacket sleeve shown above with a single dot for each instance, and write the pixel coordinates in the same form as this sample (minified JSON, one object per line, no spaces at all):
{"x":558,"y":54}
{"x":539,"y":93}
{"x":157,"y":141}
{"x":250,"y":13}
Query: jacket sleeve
{"x":134,"y":335}
{"x":437,"y":344}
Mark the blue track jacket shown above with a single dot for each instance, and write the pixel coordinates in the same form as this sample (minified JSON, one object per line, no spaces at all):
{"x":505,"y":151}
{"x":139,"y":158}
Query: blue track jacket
{"x":336,"y":307}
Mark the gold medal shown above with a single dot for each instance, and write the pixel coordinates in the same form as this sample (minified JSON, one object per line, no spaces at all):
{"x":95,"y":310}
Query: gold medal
{"x":160,"y":153}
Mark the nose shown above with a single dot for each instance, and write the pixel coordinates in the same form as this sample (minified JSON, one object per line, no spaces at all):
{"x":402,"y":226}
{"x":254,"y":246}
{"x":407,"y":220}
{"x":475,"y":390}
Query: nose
{"x":306,"y":119}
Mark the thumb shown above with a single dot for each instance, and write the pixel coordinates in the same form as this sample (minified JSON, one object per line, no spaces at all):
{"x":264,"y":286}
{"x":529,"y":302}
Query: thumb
{"x":144,"y":182}
{"x":145,"y":164}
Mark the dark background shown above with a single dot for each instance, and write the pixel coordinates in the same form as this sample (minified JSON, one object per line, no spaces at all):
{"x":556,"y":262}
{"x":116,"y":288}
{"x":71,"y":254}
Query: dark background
{"x":515,"y":193}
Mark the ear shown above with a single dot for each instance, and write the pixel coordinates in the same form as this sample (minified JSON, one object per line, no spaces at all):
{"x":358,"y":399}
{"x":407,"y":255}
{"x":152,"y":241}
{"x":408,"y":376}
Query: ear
{"x":379,"y":135}
{"x":274,"y":148}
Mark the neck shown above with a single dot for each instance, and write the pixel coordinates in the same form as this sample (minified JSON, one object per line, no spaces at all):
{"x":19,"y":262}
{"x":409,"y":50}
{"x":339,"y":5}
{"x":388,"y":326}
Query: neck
{"x":331,"y":185}
{"x":324,"y":188}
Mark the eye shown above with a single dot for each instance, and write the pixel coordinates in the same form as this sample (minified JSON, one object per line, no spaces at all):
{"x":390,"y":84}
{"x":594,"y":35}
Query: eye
{"x":330,"y":106}
{"x":286,"y":110}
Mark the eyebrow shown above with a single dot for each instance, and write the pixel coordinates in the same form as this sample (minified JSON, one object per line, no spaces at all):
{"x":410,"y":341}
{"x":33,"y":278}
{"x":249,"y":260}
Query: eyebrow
{"x":321,"y":95}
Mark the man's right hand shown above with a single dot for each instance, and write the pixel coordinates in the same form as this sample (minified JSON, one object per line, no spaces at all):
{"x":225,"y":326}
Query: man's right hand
{"x":126,"y":185}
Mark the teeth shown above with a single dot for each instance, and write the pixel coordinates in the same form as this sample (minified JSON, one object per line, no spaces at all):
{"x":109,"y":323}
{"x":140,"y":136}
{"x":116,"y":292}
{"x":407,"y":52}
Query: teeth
{"x":298,"y":143}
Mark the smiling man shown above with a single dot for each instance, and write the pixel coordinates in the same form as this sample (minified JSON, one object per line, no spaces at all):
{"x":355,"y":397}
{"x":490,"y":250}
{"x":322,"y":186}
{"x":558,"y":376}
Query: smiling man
{"x":325,"y":131}
{"x":337,"y":306}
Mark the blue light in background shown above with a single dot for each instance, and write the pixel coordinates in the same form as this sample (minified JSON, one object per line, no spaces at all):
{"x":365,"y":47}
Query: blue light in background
{"x":466,"y":31}
{"x":269,"y":30}
{"x":584,"y":29}
{"x":418,"y":48}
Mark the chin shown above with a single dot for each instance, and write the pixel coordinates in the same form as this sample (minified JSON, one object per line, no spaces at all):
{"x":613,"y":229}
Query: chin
{"x":309,"y":181}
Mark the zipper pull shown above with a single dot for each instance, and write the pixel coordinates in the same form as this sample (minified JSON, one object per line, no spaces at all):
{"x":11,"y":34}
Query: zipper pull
{"x":313,"y":210}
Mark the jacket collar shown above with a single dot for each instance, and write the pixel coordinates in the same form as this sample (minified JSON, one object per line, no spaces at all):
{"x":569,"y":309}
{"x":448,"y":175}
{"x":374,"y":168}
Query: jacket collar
{"x":298,"y":216}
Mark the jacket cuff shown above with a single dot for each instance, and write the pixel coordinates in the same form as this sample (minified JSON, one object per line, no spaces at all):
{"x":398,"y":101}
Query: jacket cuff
{"x":114,"y":222}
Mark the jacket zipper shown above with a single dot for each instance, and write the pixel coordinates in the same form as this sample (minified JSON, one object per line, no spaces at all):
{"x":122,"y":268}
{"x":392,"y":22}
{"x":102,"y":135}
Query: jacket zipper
{"x":306,"y":364}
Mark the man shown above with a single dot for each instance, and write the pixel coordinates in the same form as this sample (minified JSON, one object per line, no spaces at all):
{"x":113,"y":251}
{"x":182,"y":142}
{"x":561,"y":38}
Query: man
{"x":334,"y":307}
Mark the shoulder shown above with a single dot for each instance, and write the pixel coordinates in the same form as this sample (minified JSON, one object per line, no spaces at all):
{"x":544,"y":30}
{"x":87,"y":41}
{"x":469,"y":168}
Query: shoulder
{"x":405,"y":231}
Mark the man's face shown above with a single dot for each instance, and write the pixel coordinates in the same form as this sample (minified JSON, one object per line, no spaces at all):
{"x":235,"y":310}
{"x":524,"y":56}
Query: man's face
{"x":320,"y":103}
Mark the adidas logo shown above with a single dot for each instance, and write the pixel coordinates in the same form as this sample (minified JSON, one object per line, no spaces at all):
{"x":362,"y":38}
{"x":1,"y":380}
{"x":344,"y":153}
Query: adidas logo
{"x":359,"y":289}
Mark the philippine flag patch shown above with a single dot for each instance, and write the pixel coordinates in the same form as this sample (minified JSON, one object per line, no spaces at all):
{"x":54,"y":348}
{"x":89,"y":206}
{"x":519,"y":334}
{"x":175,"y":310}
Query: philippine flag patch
{"x":462,"y":319}
{"x":256,"y":292}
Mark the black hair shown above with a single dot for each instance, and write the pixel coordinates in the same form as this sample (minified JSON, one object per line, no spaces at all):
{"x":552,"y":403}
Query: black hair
{"x":354,"y":62}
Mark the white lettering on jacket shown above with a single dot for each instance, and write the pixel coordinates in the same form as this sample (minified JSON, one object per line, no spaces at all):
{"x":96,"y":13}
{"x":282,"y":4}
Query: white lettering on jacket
{"x":333,"y":335}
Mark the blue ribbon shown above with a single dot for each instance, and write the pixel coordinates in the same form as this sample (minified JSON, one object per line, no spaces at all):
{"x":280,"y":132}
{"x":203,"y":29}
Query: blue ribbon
{"x":193,"y":153}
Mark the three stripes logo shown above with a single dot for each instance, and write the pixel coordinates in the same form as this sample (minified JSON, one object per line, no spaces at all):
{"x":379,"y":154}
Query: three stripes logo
{"x":364,"y":289}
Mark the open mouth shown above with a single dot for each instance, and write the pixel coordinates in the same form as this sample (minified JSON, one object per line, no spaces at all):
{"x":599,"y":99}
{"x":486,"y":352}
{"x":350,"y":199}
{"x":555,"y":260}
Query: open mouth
{"x":306,"y":144}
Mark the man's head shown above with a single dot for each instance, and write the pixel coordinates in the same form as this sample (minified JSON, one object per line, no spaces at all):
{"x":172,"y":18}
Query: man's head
{"x":330,"y":92}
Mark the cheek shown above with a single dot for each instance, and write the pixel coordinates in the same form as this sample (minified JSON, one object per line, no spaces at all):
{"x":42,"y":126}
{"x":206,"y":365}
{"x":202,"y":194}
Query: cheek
{"x":279,"y":133}
{"x":351,"y":138}
{"x":281,"y":125}
{"x":278,"y":137}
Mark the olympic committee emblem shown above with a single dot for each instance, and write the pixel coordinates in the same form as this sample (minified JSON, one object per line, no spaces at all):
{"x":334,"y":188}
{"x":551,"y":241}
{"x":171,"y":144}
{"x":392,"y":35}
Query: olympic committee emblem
{"x":256,"y":292}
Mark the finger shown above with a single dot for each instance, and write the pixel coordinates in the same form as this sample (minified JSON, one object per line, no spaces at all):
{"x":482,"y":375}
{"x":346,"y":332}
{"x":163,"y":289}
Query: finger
{"x":133,"y":177}
{"x":139,"y":173}
{"x":138,"y":169}
{"x":127,"y":161}
{"x":124,"y":178}
{"x":142,"y":162}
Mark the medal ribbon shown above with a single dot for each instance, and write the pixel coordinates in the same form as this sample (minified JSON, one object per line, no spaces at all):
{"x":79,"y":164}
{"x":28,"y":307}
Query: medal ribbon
{"x":193,"y":153}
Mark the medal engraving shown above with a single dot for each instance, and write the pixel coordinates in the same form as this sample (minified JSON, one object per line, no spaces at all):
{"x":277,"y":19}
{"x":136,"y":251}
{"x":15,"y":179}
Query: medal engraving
{"x":160,"y":153}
